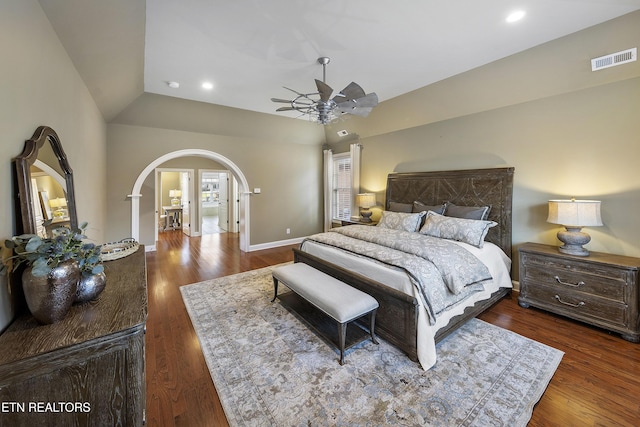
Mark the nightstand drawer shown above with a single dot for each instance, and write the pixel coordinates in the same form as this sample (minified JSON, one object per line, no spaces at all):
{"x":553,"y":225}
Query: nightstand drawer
{"x":577,"y":305}
{"x":563,"y":279}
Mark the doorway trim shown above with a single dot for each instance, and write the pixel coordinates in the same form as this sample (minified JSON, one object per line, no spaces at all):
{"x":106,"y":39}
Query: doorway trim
{"x":158,"y":196}
{"x":243,"y":190}
{"x":232,"y":191}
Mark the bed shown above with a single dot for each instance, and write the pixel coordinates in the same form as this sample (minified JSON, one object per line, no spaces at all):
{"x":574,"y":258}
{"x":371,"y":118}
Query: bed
{"x":402,"y":318}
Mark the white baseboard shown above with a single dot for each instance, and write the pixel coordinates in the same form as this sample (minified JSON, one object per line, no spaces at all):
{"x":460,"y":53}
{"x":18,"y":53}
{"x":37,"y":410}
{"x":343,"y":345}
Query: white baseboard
{"x":276,"y":244}
{"x":259,"y":247}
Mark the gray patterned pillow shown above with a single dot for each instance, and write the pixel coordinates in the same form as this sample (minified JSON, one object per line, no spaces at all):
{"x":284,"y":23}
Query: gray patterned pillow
{"x":400,"y":220}
{"x":471,"y":231}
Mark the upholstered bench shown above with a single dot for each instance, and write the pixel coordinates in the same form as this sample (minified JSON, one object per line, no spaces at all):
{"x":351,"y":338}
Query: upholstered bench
{"x":336,"y":299}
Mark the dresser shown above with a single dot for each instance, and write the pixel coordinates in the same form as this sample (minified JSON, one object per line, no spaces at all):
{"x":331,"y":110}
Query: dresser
{"x":86,"y":370}
{"x":601,"y":289}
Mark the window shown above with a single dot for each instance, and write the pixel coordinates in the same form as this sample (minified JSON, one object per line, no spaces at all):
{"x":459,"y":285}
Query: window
{"x":210,"y":189}
{"x":341,"y":197}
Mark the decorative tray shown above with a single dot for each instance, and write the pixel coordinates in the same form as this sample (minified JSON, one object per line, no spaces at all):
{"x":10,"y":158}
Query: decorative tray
{"x":117,"y":250}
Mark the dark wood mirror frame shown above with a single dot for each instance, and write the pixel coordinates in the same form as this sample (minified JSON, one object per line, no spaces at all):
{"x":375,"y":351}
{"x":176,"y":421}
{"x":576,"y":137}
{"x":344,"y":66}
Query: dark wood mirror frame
{"x":22,"y":167}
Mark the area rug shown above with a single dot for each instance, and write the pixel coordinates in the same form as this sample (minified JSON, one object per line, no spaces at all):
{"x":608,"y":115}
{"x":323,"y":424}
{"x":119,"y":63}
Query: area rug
{"x":270,"y":369}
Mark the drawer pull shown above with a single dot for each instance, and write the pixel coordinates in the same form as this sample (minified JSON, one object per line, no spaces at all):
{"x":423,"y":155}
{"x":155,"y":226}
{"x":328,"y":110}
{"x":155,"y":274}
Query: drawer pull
{"x":573,"y":285}
{"x":580,"y":304}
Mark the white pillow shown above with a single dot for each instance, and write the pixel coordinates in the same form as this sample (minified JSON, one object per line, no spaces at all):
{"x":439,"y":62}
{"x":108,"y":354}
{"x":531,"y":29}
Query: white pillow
{"x":471,"y":231}
{"x":400,"y":220}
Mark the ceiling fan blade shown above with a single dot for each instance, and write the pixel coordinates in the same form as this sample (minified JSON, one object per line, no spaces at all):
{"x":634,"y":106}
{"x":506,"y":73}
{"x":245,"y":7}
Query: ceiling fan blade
{"x":324,"y":90}
{"x":360,"y":107}
{"x":352,"y":91}
{"x":371,"y":100}
{"x":286,"y":101}
{"x":294,"y":91}
{"x":360,"y":111}
{"x":286,"y":109}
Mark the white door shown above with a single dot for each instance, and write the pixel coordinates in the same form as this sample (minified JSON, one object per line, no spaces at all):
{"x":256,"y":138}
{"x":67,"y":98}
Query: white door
{"x":223,"y":207}
{"x":185,"y":186}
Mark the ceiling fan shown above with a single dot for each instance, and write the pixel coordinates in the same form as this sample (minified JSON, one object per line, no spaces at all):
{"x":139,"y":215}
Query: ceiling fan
{"x":317,"y":105}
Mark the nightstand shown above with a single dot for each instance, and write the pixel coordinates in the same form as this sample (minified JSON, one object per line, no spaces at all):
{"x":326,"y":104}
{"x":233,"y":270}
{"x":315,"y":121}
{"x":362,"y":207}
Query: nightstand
{"x":601,"y":289}
{"x":350,"y":222}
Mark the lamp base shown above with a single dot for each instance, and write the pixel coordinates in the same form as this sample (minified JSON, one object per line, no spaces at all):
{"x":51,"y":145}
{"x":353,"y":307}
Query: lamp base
{"x":175,"y":202}
{"x":366,"y":215}
{"x":573,"y":240}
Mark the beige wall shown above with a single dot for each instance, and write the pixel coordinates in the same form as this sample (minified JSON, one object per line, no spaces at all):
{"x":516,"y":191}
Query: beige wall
{"x":566,"y":130}
{"x":560,"y":147}
{"x":40,"y":86}
{"x":288,"y":173}
{"x":168,"y":181}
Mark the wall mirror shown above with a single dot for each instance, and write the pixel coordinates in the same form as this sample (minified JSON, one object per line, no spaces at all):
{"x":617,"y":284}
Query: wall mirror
{"x":44,"y":183}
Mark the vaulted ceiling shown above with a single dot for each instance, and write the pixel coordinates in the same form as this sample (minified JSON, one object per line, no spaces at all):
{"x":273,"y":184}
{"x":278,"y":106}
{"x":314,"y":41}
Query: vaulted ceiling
{"x":249,"y":49}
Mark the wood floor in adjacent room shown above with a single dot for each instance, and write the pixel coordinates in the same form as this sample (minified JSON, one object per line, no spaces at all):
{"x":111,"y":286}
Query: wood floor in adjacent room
{"x":596,"y":384}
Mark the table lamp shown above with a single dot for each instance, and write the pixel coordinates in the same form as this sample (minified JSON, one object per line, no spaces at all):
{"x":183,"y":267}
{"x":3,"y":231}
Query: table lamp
{"x":175,"y":197}
{"x":366,"y":201}
{"x":58,"y":204}
{"x":574,"y":214}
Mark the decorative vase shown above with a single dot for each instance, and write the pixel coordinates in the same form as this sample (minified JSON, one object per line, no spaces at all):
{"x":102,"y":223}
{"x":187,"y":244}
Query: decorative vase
{"x":50,"y":297}
{"x":89,"y":287}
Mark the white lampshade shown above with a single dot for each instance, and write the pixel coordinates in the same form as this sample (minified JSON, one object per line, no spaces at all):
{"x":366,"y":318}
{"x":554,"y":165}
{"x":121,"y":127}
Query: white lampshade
{"x":578,"y":213}
{"x":574,"y":214}
{"x":366,"y":200}
{"x":59,"y":202}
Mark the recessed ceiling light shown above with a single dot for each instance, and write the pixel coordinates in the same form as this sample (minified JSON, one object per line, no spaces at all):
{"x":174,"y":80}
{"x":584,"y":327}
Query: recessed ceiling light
{"x":173,"y":85}
{"x":516,"y":16}
{"x":207,"y":85}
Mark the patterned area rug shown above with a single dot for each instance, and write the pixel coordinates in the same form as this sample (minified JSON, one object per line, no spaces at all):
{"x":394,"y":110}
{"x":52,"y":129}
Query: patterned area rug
{"x":270,"y":369}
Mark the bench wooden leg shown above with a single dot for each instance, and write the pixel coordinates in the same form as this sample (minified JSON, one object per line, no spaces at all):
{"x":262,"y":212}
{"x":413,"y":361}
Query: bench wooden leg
{"x":342,"y":335}
{"x":372,"y":326}
{"x":275,"y":289}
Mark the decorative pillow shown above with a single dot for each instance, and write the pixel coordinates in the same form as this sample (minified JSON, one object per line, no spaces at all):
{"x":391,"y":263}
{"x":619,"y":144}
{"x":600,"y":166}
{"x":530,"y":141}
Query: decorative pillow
{"x":400,"y":207}
{"x":471,"y":231}
{"x":421,"y":207}
{"x":400,"y":220}
{"x":468,"y":212}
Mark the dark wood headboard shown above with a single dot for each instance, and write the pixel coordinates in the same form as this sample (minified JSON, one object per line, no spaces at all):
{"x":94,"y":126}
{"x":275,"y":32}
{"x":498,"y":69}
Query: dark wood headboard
{"x":474,"y":187}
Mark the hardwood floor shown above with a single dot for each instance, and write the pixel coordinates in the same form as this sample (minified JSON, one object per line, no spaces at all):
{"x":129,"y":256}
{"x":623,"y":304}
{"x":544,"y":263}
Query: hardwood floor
{"x":596,"y":384}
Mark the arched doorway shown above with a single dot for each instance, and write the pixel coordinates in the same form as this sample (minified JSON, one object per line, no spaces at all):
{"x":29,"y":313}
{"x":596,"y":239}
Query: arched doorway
{"x":243,"y":190}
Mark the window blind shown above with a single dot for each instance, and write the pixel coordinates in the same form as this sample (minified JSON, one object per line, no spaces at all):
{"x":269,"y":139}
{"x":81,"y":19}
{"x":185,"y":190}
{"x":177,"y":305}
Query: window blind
{"x":341,"y":187}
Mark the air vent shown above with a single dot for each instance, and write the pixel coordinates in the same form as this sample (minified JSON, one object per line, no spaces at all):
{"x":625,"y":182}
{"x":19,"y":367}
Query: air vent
{"x":343,"y":133}
{"x":614,"y":59}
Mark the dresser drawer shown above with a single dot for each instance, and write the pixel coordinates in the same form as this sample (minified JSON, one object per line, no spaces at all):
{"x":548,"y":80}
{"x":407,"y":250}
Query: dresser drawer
{"x":605,"y":284}
{"x":578,"y":305}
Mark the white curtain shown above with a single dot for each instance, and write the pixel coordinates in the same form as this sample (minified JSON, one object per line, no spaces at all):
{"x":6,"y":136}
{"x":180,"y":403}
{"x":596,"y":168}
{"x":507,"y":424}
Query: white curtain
{"x":354,"y":151}
{"x":328,"y":188}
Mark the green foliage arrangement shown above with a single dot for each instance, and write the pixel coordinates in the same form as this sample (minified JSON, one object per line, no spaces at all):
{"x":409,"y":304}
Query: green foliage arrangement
{"x":44,"y":254}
